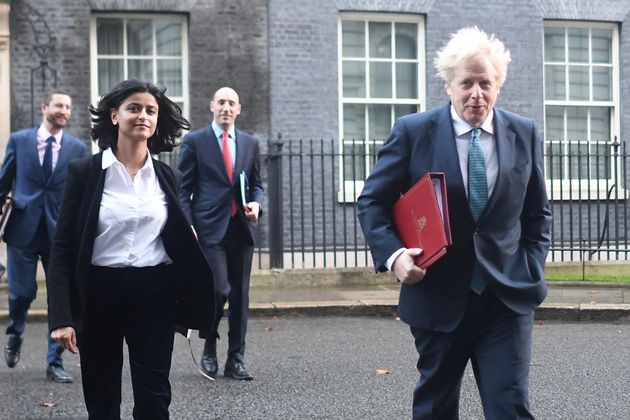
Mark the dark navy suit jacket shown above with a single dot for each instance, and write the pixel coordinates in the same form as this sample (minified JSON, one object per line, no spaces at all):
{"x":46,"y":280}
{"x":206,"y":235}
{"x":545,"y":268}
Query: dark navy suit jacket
{"x":207,"y":192}
{"x":511,"y":239}
{"x":22,"y":175}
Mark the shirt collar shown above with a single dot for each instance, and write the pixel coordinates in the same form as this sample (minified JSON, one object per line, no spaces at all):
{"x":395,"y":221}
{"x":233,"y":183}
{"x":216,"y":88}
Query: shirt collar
{"x":109,"y":159}
{"x":218,"y":131}
{"x":43,"y":134}
{"x":461,"y":127}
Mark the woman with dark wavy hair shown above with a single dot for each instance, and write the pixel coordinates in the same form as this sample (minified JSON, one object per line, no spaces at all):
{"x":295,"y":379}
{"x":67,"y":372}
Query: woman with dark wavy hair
{"x":125,"y":263}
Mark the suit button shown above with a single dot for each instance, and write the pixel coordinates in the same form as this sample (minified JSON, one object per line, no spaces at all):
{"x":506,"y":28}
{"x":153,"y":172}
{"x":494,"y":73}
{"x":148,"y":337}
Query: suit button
{"x":476,"y":232}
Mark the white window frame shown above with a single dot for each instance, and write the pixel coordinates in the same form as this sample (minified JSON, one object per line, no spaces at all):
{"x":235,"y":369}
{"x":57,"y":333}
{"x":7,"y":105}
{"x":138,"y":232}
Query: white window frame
{"x":591,"y":189}
{"x":184,"y":99}
{"x":349,"y":190}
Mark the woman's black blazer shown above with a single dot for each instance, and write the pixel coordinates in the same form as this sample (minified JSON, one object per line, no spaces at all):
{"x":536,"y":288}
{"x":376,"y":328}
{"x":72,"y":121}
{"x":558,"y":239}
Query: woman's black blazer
{"x":68,"y":274}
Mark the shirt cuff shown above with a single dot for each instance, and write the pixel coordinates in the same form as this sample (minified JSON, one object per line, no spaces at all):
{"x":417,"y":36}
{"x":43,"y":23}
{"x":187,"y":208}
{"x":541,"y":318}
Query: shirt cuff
{"x":390,"y":260}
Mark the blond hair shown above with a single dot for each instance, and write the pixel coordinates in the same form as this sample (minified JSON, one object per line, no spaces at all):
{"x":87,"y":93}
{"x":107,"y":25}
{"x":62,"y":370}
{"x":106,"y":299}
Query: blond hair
{"x":468,"y":43}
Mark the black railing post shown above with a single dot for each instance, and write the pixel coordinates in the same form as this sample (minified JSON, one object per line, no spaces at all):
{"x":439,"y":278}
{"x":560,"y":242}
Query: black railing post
{"x":276,"y":226}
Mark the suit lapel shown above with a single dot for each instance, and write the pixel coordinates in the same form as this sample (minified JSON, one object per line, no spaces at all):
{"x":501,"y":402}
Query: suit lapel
{"x":214,"y":152}
{"x":166,"y":182}
{"x":240,"y":154}
{"x":504,"y":139}
{"x":91,"y":205}
{"x":31,"y":146}
{"x":443,"y":138}
{"x":62,"y":158}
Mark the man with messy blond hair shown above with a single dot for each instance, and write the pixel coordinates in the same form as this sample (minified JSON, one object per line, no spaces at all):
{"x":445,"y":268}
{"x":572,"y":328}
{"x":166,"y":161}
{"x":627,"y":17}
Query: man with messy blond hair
{"x":477,"y":302}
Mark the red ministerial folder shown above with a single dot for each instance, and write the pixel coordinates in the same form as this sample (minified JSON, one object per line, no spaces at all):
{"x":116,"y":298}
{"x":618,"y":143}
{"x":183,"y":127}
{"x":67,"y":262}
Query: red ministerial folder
{"x":420,"y":218}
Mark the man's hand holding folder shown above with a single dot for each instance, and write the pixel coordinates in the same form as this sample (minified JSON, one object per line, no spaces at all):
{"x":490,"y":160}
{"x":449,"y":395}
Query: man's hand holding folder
{"x":421,"y":220}
{"x":405,"y":268}
{"x":252,"y":208}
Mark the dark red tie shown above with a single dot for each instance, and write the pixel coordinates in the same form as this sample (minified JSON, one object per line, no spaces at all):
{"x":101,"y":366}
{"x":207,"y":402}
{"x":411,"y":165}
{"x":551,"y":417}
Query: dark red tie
{"x":227,"y":159}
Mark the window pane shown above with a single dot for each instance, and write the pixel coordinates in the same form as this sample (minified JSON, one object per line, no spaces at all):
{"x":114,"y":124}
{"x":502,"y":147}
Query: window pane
{"x":578,"y":83}
{"x":602,"y":46}
{"x":380,"y":80}
{"x":554,"y":123}
{"x":353,"y":122}
{"x":577,"y":123}
{"x":401,"y":110}
{"x":110,"y":73}
{"x":602,"y":83}
{"x":353,"y":79}
{"x":353,"y":39}
{"x":380,"y":39}
{"x":553,"y":161}
{"x":406,"y":40}
{"x":406,"y":80}
{"x":169,"y":74}
{"x":555,"y":82}
{"x":578,"y":45}
{"x":600,"y":124}
{"x":380,"y":118}
{"x":139,"y":37}
{"x":168,"y":38}
{"x":109,"y":36}
{"x":140,"y":69}
{"x":554,"y":44}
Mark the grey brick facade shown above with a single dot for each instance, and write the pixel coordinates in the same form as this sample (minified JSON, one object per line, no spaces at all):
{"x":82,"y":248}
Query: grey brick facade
{"x":281,"y":56}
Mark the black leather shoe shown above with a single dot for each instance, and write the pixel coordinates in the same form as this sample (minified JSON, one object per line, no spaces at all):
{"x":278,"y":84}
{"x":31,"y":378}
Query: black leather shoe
{"x":12,"y":350}
{"x":57,"y":374}
{"x":209,"y":366}
{"x":237,"y":370}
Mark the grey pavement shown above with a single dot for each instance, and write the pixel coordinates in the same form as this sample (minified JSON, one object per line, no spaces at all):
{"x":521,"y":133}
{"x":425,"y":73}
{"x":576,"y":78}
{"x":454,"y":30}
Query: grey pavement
{"x":340,"y":368}
{"x":566,"y":301}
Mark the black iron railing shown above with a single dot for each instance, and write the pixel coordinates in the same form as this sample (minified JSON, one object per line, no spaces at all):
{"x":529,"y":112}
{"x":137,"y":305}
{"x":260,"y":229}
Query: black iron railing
{"x":311,"y":186}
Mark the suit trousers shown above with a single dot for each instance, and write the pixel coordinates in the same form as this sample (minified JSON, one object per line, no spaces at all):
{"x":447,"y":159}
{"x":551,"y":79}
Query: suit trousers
{"x":137,"y":305}
{"x":231,"y":264}
{"x":22,"y":277}
{"x":497,"y":341}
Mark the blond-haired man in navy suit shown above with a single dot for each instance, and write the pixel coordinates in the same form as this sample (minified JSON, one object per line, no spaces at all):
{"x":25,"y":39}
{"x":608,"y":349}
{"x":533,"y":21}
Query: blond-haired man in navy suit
{"x":477,"y":302}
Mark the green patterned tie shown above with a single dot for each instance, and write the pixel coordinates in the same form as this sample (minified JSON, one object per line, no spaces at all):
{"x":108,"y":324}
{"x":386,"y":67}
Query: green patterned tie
{"x":477,"y":181}
{"x":477,"y":195}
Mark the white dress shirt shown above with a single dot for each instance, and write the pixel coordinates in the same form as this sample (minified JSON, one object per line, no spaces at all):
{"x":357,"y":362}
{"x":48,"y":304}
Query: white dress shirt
{"x":42,"y":137}
{"x":131,"y":217}
{"x":488,"y":145}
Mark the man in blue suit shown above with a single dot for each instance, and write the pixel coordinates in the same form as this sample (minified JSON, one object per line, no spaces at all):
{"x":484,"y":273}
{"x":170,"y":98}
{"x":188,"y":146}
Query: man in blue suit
{"x":212,"y":161}
{"x":34,"y":172}
{"x":477,"y":302}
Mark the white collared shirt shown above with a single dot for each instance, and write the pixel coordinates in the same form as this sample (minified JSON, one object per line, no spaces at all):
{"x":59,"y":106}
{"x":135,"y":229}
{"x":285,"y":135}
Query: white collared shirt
{"x":131,"y":217}
{"x":42,"y":137}
{"x":486,"y":141}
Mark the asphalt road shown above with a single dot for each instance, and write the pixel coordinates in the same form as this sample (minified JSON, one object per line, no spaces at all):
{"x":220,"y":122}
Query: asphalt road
{"x":326,"y":368}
